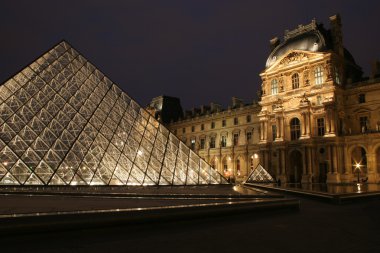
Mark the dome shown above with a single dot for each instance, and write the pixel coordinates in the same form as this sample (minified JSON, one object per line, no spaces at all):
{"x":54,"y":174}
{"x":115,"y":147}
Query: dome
{"x":312,"y":41}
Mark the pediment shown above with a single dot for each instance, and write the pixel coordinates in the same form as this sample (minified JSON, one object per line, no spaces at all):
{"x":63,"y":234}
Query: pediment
{"x":293,"y":57}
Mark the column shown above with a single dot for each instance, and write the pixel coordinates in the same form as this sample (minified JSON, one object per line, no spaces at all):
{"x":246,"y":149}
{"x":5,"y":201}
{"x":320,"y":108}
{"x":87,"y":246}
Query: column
{"x":282,"y":128}
{"x":328,"y":121}
{"x":265,"y":130}
{"x":303,"y":124}
{"x":334,"y":159}
{"x":310,"y":161}
{"x":278,"y":172}
{"x":278,"y":126}
{"x":261,"y":130}
{"x":332,"y":122}
{"x":308,"y":129}
{"x":304,"y":161}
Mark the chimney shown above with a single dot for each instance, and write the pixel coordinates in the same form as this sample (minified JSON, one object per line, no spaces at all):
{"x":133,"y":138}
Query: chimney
{"x":236,"y":102}
{"x":336,"y":34}
{"x":274,"y":43}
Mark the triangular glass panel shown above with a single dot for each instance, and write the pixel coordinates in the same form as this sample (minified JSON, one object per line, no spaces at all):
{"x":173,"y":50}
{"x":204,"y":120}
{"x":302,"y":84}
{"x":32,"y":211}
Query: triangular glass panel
{"x":33,"y":180}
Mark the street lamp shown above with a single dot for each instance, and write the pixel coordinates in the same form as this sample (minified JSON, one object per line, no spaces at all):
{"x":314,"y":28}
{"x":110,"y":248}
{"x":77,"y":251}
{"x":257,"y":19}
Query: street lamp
{"x":357,"y":169}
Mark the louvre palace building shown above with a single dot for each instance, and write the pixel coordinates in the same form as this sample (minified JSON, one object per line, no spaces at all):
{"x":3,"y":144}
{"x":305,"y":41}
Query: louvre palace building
{"x":317,"y":118}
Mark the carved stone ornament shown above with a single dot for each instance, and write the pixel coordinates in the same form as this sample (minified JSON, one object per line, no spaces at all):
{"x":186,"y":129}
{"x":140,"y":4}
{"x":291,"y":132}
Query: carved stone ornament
{"x":293,"y":57}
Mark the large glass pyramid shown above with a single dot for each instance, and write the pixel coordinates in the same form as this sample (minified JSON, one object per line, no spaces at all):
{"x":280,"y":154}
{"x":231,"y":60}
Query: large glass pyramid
{"x":259,"y":175}
{"x":64,"y":123}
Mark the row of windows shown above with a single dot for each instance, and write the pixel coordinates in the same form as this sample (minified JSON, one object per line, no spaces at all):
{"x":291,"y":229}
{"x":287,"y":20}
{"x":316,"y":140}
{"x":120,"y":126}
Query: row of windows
{"x":212,"y":125}
{"x":223,"y":141}
{"x":318,"y":77}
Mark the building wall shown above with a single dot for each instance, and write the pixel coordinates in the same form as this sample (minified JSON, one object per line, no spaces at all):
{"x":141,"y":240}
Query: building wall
{"x":315,"y":122}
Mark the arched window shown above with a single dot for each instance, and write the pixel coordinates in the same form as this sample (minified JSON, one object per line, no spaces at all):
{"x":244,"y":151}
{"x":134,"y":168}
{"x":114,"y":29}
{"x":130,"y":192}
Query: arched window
{"x":295,"y":81}
{"x":295,"y":129}
{"x":238,"y":167}
{"x":318,"y":75}
{"x":274,"y":87}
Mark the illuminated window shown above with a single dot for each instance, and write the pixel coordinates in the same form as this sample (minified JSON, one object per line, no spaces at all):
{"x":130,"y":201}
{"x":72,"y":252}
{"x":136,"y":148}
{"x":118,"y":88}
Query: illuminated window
{"x":202,"y":143}
{"x":318,"y":75}
{"x":295,"y":129}
{"x":274,"y":87}
{"x":224,"y":141}
{"x":192,"y":144}
{"x":321,"y":126}
{"x":295,"y":81}
{"x":212,"y":142}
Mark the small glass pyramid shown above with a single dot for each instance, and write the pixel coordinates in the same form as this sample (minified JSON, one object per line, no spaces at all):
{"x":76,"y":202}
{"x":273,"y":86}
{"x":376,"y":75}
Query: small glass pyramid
{"x":62,"y":122}
{"x":259,"y":175}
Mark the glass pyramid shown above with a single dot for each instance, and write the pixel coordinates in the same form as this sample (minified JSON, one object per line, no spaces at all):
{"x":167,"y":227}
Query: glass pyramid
{"x":259,"y":175}
{"x":62,"y":122}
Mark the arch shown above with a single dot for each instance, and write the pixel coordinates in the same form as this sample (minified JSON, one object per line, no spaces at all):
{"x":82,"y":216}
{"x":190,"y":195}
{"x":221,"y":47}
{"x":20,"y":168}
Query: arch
{"x":295,"y":128}
{"x":214,"y":163}
{"x":296,"y":166}
{"x":295,"y":81}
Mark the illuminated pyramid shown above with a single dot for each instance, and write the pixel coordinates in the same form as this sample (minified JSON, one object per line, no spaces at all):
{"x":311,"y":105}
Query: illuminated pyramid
{"x":62,"y":122}
{"x":259,"y":175}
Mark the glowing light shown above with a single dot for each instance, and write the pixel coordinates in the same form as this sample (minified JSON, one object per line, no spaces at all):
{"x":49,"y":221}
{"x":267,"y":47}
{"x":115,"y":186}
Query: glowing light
{"x":5,"y":163}
{"x":256,"y":156}
{"x":139,"y":152}
{"x":229,"y":158}
{"x":357,"y":165}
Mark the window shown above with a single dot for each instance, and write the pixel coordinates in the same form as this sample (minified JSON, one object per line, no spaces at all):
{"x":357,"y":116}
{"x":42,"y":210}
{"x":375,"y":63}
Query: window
{"x":236,"y":139}
{"x":223,"y":123}
{"x":248,"y":118}
{"x":274,"y":87}
{"x":321,"y":126}
{"x":212,"y":125}
{"x":224,"y":141}
{"x":225,"y":168}
{"x":192,"y":144}
{"x":295,"y":81}
{"x":202,"y":127}
{"x":183,"y":130}
{"x":363,"y":124}
{"x":212,"y":142}
{"x":238,"y":167}
{"x":249,"y":137}
{"x":361,"y":98}
{"x":274,"y":132}
{"x":318,"y":75}
{"x":192,"y":128}
{"x":202,"y":143}
{"x":336,"y":75}
{"x":236,"y":121}
{"x":295,"y":129}
{"x":319,"y":100}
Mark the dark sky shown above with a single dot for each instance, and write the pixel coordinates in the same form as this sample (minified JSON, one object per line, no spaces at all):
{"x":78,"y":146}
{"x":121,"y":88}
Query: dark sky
{"x":201,"y":51}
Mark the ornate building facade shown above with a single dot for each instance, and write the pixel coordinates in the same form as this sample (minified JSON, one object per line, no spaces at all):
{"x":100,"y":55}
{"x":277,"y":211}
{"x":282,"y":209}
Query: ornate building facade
{"x":317,"y":119}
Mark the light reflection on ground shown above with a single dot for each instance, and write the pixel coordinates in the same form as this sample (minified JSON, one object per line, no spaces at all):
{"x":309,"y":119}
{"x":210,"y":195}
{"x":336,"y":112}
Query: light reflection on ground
{"x":333,"y":188}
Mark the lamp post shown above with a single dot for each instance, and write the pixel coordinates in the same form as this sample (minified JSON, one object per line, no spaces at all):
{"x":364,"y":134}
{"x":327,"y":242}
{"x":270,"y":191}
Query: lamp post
{"x":357,"y":166}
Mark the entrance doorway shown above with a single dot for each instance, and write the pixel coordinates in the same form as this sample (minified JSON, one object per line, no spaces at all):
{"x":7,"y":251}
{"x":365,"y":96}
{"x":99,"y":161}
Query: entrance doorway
{"x":295,"y":170}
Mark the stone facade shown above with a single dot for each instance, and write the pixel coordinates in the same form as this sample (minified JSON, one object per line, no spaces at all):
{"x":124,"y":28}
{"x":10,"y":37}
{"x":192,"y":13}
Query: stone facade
{"x":318,"y":120}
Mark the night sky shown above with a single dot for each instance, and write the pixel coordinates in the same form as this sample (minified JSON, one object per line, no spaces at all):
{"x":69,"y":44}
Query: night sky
{"x":201,"y":51}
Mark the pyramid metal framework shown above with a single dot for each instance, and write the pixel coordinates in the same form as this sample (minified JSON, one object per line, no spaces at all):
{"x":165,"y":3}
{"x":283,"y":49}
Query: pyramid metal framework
{"x":259,"y":175}
{"x":63,"y":122}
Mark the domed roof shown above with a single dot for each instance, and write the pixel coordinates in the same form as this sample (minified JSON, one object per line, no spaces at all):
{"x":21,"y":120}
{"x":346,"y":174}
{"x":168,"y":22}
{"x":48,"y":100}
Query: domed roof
{"x":312,"y":41}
